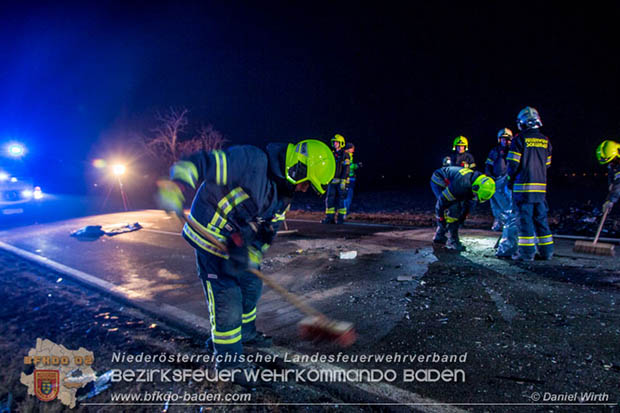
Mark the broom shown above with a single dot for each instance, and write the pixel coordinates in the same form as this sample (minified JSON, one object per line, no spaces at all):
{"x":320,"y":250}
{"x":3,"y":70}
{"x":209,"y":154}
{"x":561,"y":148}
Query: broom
{"x":316,"y":326}
{"x":287,"y":231}
{"x":587,"y":247}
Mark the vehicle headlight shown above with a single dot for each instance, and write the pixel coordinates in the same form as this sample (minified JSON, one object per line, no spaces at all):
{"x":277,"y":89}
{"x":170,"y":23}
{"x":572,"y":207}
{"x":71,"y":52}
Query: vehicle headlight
{"x":38,"y":194}
{"x":27,"y":193}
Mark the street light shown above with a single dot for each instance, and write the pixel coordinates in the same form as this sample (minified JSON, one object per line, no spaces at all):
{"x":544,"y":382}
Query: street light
{"x":119,"y":169}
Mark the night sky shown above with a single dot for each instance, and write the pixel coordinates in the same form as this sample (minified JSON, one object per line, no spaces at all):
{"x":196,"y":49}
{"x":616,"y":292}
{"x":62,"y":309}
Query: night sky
{"x":399,"y":83}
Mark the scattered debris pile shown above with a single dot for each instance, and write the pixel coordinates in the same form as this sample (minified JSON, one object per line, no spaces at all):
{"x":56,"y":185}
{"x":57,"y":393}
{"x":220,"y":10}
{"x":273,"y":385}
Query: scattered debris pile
{"x":584,"y":220}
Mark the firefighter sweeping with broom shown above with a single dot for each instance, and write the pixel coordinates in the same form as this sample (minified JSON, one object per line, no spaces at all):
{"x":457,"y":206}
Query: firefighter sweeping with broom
{"x":240,"y":192}
{"x":608,"y":153}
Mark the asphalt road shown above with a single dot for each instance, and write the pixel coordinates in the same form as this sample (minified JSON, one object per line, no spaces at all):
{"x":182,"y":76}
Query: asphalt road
{"x":402,"y":295}
{"x":154,"y":266}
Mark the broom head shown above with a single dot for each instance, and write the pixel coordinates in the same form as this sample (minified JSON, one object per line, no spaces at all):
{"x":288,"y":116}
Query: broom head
{"x":322,"y":329}
{"x":600,"y":248}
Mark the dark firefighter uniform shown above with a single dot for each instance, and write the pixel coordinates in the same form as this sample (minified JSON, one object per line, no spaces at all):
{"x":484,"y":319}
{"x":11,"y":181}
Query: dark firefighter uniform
{"x":465,"y":160}
{"x":613,"y":178}
{"x":243,"y":196}
{"x":452,"y":186}
{"x":337,"y":189}
{"x":528,"y":160}
{"x":353,"y":167}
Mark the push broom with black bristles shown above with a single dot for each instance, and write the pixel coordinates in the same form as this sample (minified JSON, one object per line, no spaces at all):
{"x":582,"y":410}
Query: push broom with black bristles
{"x":587,"y":247}
{"x":316,"y":326}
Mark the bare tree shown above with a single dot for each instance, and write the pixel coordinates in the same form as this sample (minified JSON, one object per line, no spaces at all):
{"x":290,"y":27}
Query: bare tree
{"x":207,"y":139}
{"x":167,"y":142}
{"x":165,"y":138}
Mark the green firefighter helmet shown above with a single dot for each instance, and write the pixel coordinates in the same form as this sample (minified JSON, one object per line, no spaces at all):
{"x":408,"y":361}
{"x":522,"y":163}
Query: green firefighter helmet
{"x":310,"y":160}
{"x":340,"y":139}
{"x":607,"y":151}
{"x":504,"y":133}
{"x":460,"y":141}
{"x":484,"y":188}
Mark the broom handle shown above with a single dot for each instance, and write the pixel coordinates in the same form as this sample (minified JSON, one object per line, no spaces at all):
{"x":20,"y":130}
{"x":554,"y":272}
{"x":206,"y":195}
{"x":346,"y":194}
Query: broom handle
{"x":600,"y":226}
{"x":291,"y":298}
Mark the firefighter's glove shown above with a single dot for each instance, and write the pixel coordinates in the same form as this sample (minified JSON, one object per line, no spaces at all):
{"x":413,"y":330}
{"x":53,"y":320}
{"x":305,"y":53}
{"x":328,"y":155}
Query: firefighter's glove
{"x":243,"y":237}
{"x":238,"y":260}
{"x":265,"y":233}
{"x":607,"y":206}
{"x":255,"y":257}
{"x":170,"y":197}
{"x":462,"y":219}
{"x":343,"y":185}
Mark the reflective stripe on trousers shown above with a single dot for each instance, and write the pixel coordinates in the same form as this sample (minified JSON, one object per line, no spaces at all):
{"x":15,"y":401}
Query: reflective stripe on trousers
{"x":534,"y":230}
{"x":335,"y":199}
{"x":231,"y":300}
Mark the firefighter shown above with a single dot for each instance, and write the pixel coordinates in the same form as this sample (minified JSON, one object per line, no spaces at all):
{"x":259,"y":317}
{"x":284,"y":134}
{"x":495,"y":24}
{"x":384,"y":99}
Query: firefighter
{"x":337,"y":189}
{"x":350,"y":148}
{"x":528,"y":160}
{"x":461,"y":155}
{"x":242,"y":195}
{"x":457,"y":189}
{"x":608,"y":153}
{"x":496,"y":167}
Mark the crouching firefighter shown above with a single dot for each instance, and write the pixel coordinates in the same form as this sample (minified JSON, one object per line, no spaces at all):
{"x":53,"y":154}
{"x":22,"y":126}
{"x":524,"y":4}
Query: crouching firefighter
{"x":242,"y":193}
{"x":528,"y":160}
{"x":456,"y":190}
{"x":608,"y":153}
{"x":337,"y":189}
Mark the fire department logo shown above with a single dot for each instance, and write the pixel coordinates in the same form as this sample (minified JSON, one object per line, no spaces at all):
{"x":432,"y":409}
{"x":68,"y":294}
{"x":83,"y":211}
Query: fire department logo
{"x":46,"y":384}
{"x":57,"y":372}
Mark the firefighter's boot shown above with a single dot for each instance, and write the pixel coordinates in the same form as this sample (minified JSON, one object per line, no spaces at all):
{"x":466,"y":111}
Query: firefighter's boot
{"x":260,"y":340}
{"x":454,"y":242}
{"x":440,"y":234}
{"x":329,"y":219}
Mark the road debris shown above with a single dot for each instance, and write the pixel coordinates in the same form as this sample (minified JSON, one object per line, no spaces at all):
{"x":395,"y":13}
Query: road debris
{"x":94,"y":232}
{"x":348,"y":255}
{"x":95,"y":387}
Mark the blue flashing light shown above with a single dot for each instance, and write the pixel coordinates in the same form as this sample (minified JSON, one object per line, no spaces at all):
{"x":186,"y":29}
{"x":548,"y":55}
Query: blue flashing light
{"x":16,"y":150}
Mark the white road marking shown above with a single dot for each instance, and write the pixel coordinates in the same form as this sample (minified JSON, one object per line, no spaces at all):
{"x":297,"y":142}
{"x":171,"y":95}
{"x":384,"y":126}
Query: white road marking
{"x":200,"y":324}
{"x":158,"y":231}
{"x":174,"y":314}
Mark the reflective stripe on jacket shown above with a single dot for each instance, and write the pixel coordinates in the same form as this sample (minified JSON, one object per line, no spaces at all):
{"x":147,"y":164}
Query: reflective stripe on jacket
{"x":457,"y":183}
{"x":237,"y":187}
{"x":528,"y":159}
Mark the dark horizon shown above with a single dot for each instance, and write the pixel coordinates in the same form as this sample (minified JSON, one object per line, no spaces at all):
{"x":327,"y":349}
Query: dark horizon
{"x":401,"y":84}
